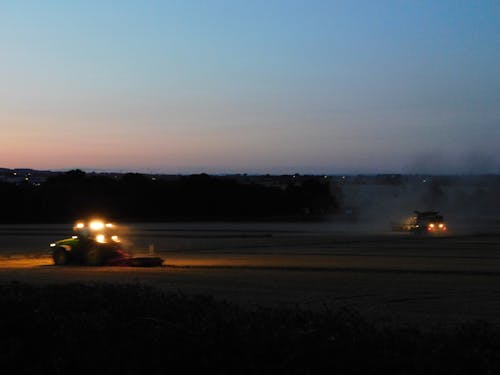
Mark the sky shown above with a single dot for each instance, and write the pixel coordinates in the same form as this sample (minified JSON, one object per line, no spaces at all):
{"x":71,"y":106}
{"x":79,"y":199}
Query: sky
{"x":255,"y":86}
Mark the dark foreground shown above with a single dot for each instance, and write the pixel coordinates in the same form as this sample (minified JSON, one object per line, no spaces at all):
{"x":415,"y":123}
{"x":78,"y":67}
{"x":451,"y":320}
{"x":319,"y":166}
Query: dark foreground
{"x":132,"y":329}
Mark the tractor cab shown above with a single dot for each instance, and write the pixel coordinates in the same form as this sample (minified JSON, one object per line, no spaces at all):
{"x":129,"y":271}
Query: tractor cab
{"x":96,"y":230}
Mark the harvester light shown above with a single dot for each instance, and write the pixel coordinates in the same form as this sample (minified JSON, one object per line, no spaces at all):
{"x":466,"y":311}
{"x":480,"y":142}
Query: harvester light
{"x":115,"y":238}
{"x":100,"y":238}
{"x":109,"y":225}
{"x":79,"y":225}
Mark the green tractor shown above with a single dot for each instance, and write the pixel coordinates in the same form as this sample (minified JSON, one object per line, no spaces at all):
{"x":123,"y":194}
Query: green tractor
{"x":96,"y":243}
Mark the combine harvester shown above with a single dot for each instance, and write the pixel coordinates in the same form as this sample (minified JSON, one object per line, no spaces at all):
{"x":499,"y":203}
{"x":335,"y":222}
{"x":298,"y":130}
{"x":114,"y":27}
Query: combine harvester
{"x":96,"y":243}
{"x":426,"y":222}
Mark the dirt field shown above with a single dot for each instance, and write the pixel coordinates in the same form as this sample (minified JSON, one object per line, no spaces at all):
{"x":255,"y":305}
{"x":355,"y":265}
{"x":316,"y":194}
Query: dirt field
{"x":406,"y":278}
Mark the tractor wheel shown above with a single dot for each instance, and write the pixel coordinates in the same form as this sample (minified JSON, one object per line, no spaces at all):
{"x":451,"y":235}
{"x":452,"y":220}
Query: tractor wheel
{"x":60,"y":256}
{"x":93,"y":257}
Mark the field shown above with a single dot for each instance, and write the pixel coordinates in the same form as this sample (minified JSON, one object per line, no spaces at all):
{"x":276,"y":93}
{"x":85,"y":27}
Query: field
{"x":426,"y":281}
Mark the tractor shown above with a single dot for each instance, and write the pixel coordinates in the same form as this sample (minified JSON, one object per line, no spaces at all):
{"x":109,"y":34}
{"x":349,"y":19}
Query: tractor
{"x":96,"y":243}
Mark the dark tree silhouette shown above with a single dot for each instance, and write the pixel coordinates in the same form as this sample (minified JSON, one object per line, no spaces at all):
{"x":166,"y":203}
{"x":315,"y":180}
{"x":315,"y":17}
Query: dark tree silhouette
{"x":134,"y":196}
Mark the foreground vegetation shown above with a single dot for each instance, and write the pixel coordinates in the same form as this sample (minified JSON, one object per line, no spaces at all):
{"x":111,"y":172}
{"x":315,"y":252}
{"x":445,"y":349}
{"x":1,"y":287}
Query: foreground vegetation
{"x":81,"y":329}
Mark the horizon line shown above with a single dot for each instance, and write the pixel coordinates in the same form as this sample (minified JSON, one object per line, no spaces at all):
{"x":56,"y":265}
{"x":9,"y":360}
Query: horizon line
{"x":253,"y":173}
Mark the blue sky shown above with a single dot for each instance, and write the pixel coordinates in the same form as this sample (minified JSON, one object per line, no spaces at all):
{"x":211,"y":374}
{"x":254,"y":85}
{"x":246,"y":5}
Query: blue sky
{"x":251,"y":86}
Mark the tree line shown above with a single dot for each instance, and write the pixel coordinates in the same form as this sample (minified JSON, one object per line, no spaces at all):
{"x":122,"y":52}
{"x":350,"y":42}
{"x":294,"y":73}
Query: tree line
{"x":132,"y":196}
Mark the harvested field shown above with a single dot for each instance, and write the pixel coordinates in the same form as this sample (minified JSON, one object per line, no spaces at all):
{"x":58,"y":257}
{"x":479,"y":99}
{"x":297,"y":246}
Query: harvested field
{"x":422,"y":280}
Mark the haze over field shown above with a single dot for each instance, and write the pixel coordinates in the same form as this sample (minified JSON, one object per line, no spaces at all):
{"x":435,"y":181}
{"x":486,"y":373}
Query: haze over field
{"x":260,"y":86}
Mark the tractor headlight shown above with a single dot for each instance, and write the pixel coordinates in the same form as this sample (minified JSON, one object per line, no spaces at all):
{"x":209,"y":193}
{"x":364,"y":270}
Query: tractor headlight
{"x":96,"y":225}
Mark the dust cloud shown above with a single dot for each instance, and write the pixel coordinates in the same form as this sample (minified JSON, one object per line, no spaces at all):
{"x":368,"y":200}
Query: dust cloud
{"x":470,"y":204}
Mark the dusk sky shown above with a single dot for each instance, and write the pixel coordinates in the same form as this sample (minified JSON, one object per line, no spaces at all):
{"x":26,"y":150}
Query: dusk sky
{"x":251,"y":86}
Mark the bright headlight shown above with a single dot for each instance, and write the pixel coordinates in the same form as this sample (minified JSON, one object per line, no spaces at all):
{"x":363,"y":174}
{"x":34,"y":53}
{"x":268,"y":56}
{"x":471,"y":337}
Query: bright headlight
{"x":96,"y":225}
{"x":100,"y":238}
